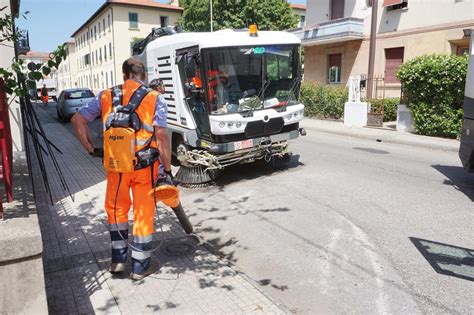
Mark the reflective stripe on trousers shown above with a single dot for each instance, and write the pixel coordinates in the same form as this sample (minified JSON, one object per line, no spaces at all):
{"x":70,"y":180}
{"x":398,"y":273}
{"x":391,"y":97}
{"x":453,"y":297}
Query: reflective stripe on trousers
{"x":140,"y":183}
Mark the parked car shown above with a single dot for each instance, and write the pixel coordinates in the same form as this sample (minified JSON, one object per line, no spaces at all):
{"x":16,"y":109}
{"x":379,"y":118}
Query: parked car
{"x":70,"y":100}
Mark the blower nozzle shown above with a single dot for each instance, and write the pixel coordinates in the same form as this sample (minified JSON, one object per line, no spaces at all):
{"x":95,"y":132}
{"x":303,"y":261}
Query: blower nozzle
{"x":169,"y":195}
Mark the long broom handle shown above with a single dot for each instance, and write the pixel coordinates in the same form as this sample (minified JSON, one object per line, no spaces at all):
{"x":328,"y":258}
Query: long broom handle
{"x":183,"y":219}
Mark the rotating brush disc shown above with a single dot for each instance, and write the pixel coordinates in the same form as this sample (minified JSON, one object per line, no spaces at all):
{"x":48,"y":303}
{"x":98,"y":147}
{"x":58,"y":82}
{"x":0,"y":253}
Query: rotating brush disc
{"x":196,"y":176}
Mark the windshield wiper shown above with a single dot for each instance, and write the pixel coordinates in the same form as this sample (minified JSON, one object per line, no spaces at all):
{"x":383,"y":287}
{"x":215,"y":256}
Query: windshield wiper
{"x":293,"y":87}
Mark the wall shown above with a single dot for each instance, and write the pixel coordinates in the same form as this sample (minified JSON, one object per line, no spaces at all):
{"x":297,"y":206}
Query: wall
{"x":98,"y":73}
{"x":353,"y":52}
{"x":68,"y":70}
{"x":317,"y":11}
{"x":7,"y":53}
{"x":417,"y":16}
{"x":118,"y":35}
{"x":147,"y":19}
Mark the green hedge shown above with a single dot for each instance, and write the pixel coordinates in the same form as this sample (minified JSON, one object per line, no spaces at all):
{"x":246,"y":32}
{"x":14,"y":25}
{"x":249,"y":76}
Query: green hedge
{"x":390,"y":106}
{"x":322,"y":100}
{"x":434,"y":89}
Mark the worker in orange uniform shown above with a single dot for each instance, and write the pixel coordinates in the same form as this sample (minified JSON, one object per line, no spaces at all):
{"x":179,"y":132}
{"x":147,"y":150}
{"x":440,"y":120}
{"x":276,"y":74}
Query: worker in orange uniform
{"x":44,"y":94}
{"x":131,"y":98}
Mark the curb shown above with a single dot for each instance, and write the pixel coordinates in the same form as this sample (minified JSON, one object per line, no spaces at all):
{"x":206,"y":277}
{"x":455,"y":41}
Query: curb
{"x":417,"y":141}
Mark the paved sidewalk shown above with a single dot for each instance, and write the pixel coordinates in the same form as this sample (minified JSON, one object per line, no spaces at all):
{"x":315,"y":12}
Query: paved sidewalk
{"x":380,"y":134}
{"x":77,"y":252}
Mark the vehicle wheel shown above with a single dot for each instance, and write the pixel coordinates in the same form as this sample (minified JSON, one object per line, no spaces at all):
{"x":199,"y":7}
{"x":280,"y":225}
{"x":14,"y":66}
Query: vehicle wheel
{"x":60,"y":117}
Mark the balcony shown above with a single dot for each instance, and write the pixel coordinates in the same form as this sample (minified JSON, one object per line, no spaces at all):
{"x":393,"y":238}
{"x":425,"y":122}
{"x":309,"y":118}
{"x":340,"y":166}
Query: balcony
{"x":334,"y":31}
{"x":23,"y":43}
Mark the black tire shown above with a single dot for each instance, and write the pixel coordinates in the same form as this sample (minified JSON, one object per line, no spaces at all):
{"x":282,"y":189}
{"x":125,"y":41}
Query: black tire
{"x":60,"y":116}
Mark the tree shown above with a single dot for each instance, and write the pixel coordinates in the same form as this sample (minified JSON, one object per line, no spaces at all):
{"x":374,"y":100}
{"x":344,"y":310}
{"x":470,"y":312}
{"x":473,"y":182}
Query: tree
{"x":236,"y":14}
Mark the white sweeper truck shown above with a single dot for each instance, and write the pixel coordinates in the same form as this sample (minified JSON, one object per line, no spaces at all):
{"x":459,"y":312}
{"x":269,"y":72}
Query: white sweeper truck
{"x":232,"y":96}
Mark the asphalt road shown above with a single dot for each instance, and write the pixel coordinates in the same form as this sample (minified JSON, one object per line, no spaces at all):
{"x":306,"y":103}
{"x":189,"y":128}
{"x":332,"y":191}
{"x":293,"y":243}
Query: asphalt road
{"x":352,"y":226}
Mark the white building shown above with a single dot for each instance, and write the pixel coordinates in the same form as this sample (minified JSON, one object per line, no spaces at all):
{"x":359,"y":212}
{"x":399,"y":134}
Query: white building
{"x":337,"y":35}
{"x":66,"y":74}
{"x":104,"y":41}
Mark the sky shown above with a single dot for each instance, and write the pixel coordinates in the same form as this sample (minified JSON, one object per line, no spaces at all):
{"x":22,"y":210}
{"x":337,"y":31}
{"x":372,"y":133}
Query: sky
{"x":51,"y":22}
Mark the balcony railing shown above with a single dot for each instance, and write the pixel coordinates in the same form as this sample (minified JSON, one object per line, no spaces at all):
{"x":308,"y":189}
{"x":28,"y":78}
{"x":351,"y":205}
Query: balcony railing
{"x":23,"y":43}
{"x":332,"y":31}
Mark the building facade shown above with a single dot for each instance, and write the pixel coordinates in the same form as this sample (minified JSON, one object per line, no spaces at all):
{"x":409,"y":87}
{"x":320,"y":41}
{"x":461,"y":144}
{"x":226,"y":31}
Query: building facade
{"x":300,"y":10}
{"x":66,"y":73}
{"x":104,"y":41}
{"x":337,"y":35}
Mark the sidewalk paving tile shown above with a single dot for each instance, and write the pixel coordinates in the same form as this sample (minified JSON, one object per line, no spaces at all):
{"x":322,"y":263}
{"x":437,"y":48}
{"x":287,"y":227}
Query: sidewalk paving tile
{"x":77,"y":251}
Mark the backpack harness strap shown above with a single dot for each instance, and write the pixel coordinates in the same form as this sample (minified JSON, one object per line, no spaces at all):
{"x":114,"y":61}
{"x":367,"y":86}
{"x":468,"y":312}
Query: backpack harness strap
{"x":125,"y":116}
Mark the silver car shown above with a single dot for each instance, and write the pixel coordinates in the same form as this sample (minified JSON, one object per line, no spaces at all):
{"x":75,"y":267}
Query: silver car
{"x":71,"y":100}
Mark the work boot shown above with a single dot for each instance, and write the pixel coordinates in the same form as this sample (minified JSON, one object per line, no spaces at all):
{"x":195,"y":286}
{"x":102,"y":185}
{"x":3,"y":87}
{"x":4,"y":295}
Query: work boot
{"x":151,"y":270}
{"x":116,"y":267}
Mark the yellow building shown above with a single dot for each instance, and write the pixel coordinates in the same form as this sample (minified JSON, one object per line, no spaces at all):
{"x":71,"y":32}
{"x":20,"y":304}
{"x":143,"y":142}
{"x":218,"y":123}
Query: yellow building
{"x":337,"y":35}
{"x":104,"y":41}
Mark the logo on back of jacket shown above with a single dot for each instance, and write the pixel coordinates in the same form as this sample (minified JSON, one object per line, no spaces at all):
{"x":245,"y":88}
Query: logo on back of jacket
{"x":115,"y":137}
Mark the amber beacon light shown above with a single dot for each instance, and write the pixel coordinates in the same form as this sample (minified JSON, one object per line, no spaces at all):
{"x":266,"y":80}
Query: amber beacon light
{"x":253,"y":30}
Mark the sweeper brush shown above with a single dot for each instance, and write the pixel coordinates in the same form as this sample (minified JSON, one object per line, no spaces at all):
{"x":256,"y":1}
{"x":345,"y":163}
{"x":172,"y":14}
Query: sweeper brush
{"x":196,"y":176}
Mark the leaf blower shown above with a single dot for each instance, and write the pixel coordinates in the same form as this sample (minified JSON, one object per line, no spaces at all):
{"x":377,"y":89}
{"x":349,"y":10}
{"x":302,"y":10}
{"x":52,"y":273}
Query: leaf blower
{"x":166,"y":191}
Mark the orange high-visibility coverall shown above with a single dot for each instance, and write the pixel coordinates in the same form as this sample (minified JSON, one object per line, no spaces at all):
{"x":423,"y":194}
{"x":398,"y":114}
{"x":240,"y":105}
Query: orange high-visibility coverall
{"x":140,"y":182}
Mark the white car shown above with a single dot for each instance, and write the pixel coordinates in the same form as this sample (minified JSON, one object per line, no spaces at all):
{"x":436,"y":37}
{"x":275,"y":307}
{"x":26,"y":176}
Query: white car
{"x":70,"y":100}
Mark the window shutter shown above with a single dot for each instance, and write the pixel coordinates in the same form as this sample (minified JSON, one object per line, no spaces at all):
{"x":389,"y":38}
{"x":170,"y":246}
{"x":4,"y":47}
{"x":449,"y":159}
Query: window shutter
{"x":393,"y":61}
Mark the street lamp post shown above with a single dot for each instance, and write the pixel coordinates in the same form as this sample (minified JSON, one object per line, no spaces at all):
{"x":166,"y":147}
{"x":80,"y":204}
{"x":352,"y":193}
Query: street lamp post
{"x":210,"y":4}
{"x":373,"y":38}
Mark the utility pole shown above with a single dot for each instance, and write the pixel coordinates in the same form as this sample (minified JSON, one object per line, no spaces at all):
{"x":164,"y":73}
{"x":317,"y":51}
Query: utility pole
{"x":373,"y":38}
{"x":210,"y":4}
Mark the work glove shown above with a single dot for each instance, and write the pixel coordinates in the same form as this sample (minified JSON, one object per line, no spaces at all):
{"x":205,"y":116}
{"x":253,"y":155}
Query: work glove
{"x":98,"y":152}
{"x":167,"y":179}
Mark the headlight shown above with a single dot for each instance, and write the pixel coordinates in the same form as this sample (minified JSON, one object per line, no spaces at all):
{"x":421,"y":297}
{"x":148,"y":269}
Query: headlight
{"x":230,"y":124}
{"x":288,"y":117}
{"x":238,"y":125}
{"x":222,"y":124}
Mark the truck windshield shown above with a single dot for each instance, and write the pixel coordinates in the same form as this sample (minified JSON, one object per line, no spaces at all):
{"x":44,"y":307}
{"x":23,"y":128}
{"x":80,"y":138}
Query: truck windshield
{"x":243,"y":79}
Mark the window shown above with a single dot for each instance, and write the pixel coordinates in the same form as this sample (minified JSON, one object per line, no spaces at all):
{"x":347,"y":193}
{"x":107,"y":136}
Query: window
{"x":393,"y":5}
{"x":102,"y":80}
{"x":105,"y":52}
{"x":103,"y":24}
{"x":133,"y":20}
{"x":91,"y":33}
{"x":100,"y":54}
{"x":393,"y":60}
{"x":96,"y":57}
{"x":108,"y":21}
{"x":87,"y":37}
{"x":95,"y":32}
{"x":106,"y":79}
{"x":337,"y":9}
{"x":461,"y":50}
{"x":111,"y":78}
{"x":334,"y":68}
{"x":163,"y":21}
{"x":302,"y":20}
{"x":87,"y":59}
{"x":110,"y":50}
{"x":99,"y":29}
{"x":92,"y":59}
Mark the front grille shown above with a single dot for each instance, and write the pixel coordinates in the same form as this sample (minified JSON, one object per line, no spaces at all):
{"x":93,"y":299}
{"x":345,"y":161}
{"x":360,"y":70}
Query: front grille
{"x":243,"y":136}
{"x":261,"y":128}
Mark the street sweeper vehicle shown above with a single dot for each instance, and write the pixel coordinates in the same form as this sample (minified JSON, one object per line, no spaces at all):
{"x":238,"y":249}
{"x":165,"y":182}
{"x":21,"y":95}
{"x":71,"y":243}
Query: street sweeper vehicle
{"x":232,"y":96}
{"x":466,"y":149}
